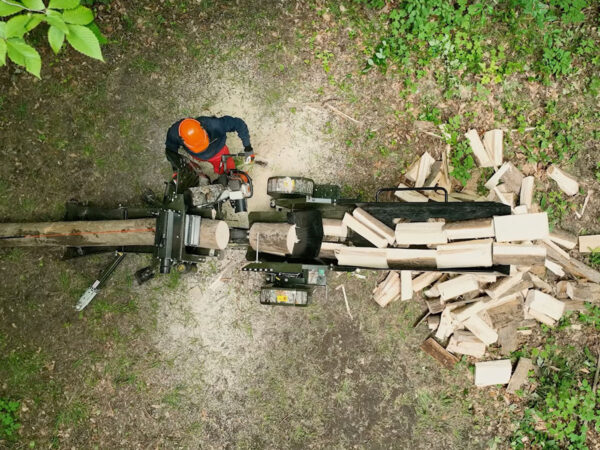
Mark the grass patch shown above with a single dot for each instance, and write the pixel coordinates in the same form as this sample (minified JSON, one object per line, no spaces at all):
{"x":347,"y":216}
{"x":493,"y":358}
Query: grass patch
{"x":9,"y":421}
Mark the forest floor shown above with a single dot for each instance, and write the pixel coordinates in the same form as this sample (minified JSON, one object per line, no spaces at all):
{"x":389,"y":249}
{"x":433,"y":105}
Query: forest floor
{"x":193,"y":360}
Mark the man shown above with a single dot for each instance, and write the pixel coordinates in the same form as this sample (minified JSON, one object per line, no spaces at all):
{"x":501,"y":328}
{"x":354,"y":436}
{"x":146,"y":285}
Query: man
{"x":204,"y":139}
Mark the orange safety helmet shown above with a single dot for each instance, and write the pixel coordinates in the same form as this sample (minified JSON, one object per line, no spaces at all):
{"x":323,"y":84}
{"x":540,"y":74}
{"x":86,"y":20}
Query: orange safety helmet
{"x":195,"y":138}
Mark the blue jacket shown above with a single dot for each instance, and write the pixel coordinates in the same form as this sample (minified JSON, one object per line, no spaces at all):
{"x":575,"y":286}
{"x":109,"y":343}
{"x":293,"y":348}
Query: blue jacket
{"x":217,"y":129}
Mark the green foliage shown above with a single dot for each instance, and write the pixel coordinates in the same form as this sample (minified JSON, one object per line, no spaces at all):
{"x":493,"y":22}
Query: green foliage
{"x":591,"y":316}
{"x":595,"y":257}
{"x":563,"y":401}
{"x":528,"y":34}
{"x":65,"y":18}
{"x":555,"y":204}
{"x":9,"y":423}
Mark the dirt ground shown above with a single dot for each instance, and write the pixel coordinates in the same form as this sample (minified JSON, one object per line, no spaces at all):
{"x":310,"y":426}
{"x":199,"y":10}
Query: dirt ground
{"x":194,"y":361}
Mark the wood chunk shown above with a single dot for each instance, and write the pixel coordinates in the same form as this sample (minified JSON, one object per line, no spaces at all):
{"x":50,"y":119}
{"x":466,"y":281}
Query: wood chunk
{"x":447,"y":325}
{"x":540,"y":284}
{"x":521,"y":209}
{"x":508,"y":198}
{"x":469,"y":229}
{"x":388,"y":290}
{"x":492,"y":141}
{"x":328,"y":249}
{"x":574,"y":305}
{"x":566,"y":182}
{"x":561,"y":289}
{"x":507,"y":339}
{"x":411,"y":257}
{"x":541,"y":317}
{"x":475,"y":253}
{"x":555,"y":268}
{"x":512,"y":178}
{"x":588,"y":244}
{"x":545,"y":304}
{"x":406,"y":288}
{"x":334,"y":230}
{"x":489,"y":373}
{"x":420,"y":233}
{"x":506,"y":313}
{"x":520,"y":376}
{"x":374,"y":224}
{"x":466,"y":343}
{"x":457,"y":286}
{"x":526,"y":196}
{"x":482,"y":157}
{"x":517,"y":254}
{"x":425,"y":279}
{"x":370,"y":235}
{"x":564,"y":239}
{"x":463,"y":313}
{"x":587,"y":292}
{"x":556,"y":249}
{"x":274,"y":238}
{"x":476,"y":325}
{"x":410,"y":196}
{"x":502,"y":286}
{"x":435,"y":306}
{"x":433,"y":322}
{"x":439,"y":353}
{"x":485,"y":278}
{"x":425,"y":163}
{"x":362,"y":257}
{"x":574,"y":267}
{"x":411,"y":173}
{"x":495,"y":179}
{"x":522,"y":227}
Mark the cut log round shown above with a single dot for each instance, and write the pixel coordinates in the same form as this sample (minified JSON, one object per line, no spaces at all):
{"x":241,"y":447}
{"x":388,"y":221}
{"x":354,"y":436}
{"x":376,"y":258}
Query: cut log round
{"x":274,"y":238}
{"x":79,"y":233}
{"x":214,"y":234}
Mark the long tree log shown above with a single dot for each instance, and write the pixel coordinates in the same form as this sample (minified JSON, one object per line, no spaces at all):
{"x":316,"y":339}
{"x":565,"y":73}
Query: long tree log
{"x":274,"y":238}
{"x":79,"y":233}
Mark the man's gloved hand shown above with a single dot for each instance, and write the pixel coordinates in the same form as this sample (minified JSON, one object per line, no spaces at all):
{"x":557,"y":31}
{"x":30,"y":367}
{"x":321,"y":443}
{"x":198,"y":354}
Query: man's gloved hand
{"x":249,"y":151}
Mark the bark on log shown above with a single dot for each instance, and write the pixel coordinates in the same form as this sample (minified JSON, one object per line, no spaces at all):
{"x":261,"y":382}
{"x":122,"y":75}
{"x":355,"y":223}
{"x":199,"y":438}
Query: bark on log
{"x":274,"y":238}
{"x":79,"y":233}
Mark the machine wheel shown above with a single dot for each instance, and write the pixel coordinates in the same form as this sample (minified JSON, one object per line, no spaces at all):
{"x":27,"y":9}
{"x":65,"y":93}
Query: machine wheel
{"x":290,"y":187}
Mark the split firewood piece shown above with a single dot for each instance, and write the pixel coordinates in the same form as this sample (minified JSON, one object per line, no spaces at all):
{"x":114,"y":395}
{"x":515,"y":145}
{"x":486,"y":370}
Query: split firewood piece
{"x":509,"y":175}
{"x":504,"y":253}
{"x":425,"y":163}
{"x":503,"y":196}
{"x":275,"y":238}
{"x":476,"y":325}
{"x":455,"y":287}
{"x":465,"y":196}
{"x":362,"y":257}
{"x":521,"y":209}
{"x":466,"y":343}
{"x":388,"y":290}
{"x":574,"y":267}
{"x":425,"y":279}
{"x":502,"y":286}
{"x":564,"y":239}
{"x":587,"y":292}
{"x":579,"y":214}
{"x":521,"y":375}
{"x":447,"y":325}
{"x":555,"y":248}
{"x":439,"y":353}
{"x":464,"y":312}
{"x":522,"y":227}
{"x":410,"y":196}
{"x":411,"y":257}
{"x":482,"y":157}
{"x":366,"y":232}
{"x":328,"y":249}
{"x":469,"y":229}
{"x":433,"y":321}
{"x":406,"y":288}
{"x":492,"y":141}
{"x":541,"y":284}
{"x":334,"y":230}
{"x":588,"y":244}
{"x":411,"y":173}
{"x":420,"y":233}
{"x":440,"y":178}
{"x":555,"y":268}
{"x":507,"y":312}
{"x":435,"y":305}
{"x":544,"y":304}
{"x":526,"y":196}
{"x":485,"y":278}
{"x":474,"y":253}
{"x":575,"y":305}
{"x":566,"y":182}
{"x":374,"y":224}
{"x":489,"y":373}
{"x":561,"y":289}
{"x":508,"y":339}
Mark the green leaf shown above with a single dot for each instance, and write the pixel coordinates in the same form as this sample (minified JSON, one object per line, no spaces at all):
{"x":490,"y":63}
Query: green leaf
{"x":2,"y":52}
{"x":3,"y":30}
{"x":55,"y":19}
{"x":63,"y":4}
{"x":92,"y":26}
{"x":37,"y":5}
{"x":78,"y":16}
{"x":24,"y":55}
{"x":7,"y":10}
{"x":56,"y":38}
{"x":15,"y":27}
{"x":34,"y":21}
{"x":85,"y":41}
